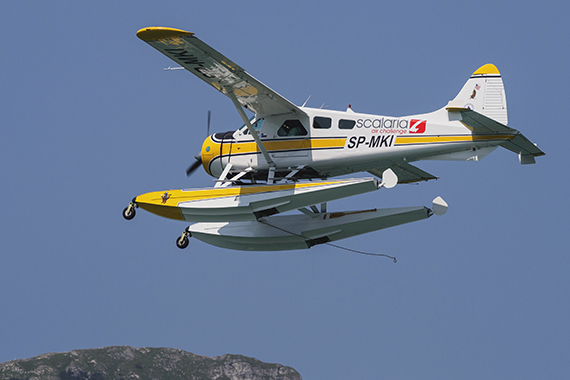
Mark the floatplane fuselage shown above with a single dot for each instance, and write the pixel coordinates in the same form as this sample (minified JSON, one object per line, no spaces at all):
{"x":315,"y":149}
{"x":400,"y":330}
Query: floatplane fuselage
{"x":282,"y":159}
{"x":328,"y":143}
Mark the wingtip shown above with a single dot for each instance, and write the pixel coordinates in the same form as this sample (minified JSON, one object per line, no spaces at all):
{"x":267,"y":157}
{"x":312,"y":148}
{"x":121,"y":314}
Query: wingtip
{"x":153,"y":33}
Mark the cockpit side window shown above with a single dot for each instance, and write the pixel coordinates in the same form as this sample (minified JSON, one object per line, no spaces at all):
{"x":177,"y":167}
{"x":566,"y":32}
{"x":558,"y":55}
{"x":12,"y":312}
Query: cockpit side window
{"x":292,"y":127}
{"x":322,"y":122}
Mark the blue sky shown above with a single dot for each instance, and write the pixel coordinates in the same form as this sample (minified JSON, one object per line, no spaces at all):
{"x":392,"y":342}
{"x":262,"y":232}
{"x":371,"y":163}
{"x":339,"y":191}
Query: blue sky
{"x":89,"y":120}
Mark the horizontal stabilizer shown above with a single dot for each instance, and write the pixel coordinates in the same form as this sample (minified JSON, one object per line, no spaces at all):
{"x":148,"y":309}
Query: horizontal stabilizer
{"x":481,"y":124}
{"x":406,"y":173}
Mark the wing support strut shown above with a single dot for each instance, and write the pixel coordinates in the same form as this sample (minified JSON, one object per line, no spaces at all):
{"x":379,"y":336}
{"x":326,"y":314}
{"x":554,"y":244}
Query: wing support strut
{"x":292,"y":173}
{"x":220,"y":181}
{"x":252,"y":131}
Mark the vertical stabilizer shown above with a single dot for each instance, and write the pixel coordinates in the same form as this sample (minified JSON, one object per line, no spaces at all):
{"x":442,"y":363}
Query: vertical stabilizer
{"x":484,"y":93}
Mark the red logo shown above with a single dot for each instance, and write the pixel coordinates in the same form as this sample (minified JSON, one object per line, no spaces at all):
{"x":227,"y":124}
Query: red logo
{"x":417,"y":126}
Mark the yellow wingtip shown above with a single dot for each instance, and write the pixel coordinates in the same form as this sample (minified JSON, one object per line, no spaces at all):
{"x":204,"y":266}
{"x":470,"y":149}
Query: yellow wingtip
{"x":489,"y":68}
{"x":153,"y":33}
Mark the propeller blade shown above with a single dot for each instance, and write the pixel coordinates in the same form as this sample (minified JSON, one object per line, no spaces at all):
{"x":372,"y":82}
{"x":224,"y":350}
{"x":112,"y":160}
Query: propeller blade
{"x":209,"y":116}
{"x":193,"y":167}
{"x":198,"y":158}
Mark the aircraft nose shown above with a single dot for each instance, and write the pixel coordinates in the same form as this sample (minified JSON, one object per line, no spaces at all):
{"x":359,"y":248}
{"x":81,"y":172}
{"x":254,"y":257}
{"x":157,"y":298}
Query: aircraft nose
{"x":207,"y":152}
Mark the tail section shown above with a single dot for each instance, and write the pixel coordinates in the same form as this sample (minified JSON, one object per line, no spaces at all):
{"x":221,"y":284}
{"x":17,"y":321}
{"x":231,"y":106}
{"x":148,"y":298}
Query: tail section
{"x":481,"y":105}
{"x":484,"y":93}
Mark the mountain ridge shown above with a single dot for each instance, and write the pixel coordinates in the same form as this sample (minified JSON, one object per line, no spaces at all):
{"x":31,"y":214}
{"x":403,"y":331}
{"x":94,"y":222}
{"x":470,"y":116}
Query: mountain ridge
{"x":145,"y":363}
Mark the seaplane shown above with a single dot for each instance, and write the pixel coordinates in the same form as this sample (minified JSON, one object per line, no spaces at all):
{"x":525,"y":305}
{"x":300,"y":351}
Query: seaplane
{"x":285,"y":157}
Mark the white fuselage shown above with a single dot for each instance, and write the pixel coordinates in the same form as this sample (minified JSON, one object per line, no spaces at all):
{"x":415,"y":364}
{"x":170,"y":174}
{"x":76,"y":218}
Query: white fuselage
{"x":336,"y":142}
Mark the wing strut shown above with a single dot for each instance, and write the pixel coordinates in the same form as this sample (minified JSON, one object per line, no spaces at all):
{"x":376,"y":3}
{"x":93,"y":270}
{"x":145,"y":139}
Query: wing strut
{"x":252,"y":131}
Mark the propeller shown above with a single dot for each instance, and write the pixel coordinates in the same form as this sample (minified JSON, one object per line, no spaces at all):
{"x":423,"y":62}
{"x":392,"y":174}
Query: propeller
{"x":198,"y":157}
{"x":195,"y":165}
{"x":209,"y":117}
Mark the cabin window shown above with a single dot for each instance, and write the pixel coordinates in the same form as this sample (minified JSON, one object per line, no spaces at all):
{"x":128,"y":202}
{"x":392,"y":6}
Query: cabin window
{"x":346,"y":124}
{"x":292,"y":128}
{"x":322,"y":122}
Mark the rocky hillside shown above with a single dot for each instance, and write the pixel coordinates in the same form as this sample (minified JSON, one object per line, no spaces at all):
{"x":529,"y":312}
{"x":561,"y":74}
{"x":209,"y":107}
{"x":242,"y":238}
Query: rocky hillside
{"x":125,"y":363}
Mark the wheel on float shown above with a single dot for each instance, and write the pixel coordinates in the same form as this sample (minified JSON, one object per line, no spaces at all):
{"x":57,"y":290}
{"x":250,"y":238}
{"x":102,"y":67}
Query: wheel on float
{"x":129,"y":212}
{"x":182,"y":242}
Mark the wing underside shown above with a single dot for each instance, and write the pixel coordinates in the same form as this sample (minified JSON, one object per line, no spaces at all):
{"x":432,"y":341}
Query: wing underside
{"x":216,"y":70}
{"x":406,"y":173}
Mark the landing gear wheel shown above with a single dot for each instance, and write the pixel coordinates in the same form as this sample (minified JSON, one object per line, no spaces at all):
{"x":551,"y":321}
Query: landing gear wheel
{"x":182,"y":242}
{"x":129,"y":212}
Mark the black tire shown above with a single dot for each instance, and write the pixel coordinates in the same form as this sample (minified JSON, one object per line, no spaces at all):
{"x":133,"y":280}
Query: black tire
{"x":182,"y":244}
{"x":129,"y":215}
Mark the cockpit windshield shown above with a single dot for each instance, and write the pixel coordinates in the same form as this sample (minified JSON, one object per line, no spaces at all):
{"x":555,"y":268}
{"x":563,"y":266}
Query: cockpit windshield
{"x":255,"y":123}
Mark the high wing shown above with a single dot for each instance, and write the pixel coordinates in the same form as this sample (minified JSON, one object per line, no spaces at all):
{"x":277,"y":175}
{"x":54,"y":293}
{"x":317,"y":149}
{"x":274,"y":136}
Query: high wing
{"x":217,"y":70}
{"x":406,"y":173}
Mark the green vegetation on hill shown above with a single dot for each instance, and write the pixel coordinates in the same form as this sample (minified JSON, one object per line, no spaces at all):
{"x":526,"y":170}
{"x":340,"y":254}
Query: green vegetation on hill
{"x":126,"y":363}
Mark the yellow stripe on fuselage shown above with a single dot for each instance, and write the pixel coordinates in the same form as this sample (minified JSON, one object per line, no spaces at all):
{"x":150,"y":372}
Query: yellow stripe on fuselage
{"x":211,"y":149}
{"x":277,"y":146}
{"x":409,"y":140}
